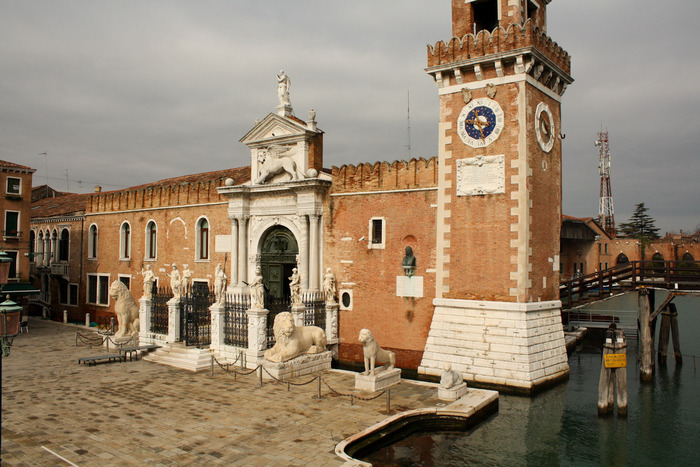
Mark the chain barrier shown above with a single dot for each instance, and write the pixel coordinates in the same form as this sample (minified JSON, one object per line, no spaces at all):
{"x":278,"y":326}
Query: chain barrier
{"x":289,"y":384}
{"x":88,"y":340}
{"x":119,"y":345}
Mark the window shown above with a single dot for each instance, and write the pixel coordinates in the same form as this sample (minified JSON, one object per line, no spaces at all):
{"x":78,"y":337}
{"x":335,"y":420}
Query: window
{"x":151,"y":240}
{"x":622,"y":259}
{"x":98,"y":289}
{"x":14,"y":270}
{"x":32,"y":246}
{"x":377,"y":232}
{"x":63,"y":243}
{"x":126,"y":280}
{"x":12,"y":224}
{"x":14,"y":186}
{"x":54,"y":246}
{"x":202,"y":248}
{"x":485,"y":15}
{"x":125,"y":241}
{"x":92,"y":242}
{"x":532,"y":10}
{"x":63,"y":292}
{"x":73,"y":294}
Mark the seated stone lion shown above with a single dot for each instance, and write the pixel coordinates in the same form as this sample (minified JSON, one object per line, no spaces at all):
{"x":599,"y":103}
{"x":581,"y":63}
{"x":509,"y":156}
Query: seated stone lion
{"x":126,"y":308}
{"x":374,"y":353}
{"x":293,"y":341}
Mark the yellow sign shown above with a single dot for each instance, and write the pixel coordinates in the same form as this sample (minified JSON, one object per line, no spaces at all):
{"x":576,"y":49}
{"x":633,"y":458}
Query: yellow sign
{"x":616,"y":360}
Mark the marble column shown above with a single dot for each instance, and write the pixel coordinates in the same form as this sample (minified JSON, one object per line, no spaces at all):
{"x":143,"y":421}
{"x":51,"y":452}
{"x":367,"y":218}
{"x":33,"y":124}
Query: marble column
{"x":242,"y":249}
{"x":314,"y":248}
{"x":173,"y":320}
{"x":304,"y":252}
{"x":234,"y":252}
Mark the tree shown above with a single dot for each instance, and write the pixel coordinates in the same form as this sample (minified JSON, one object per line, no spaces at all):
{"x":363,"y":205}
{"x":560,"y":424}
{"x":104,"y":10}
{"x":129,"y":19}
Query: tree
{"x":641,"y":225}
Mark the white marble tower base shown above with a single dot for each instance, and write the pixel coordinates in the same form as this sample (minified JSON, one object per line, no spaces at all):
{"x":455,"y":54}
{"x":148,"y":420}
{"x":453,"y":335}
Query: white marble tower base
{"x":516,"y":345}
{"x":381,"y":380}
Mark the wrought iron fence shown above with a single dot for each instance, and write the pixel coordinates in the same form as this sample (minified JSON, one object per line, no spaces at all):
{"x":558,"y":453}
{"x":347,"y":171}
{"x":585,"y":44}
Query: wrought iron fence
{"x":275,"y":306}
{"x":236,"y":320}
{"x":159,"y":310}
{"x":195,"y":316}
{"x":315,"y":309}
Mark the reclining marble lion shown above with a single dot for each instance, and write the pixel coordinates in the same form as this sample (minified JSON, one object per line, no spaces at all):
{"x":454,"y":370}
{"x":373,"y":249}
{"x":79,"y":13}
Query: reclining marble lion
{"x":293,"y":341}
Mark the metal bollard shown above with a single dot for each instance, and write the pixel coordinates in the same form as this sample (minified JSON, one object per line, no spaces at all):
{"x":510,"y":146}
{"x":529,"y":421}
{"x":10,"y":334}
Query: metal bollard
{"x":111,"y":325}
{"x":260,"y":373}
{"x":87,"y":320}
{"x":212,"y":366}
{"x":388,"y":401}
{"x":65,"y":316}
{"x":318,"y":392}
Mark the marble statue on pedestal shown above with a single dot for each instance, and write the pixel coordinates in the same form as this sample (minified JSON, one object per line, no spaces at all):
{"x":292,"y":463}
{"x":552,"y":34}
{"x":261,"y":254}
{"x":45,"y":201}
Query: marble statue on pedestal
{"x":329,"y":286}
{"x":219,"y":283}
{"x":374,"y":353}
{"x":175,"y":283}
{"x":126,"y":308}
{"x":292,"y":340}
{"x":450,"y":378}
{"x":283,"y":85}
{"x":186,"y":278}
{"x":148,"y":280}
{"x":295,"y":287}
{"x":257,"y":291}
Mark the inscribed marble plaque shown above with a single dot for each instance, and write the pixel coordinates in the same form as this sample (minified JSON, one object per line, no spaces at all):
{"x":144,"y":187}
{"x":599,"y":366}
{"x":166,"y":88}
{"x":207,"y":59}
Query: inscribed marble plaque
{"x":481,"y":175}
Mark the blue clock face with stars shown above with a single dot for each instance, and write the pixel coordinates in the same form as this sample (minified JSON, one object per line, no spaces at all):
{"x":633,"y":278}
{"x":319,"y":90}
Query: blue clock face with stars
{"x":480,"y":123}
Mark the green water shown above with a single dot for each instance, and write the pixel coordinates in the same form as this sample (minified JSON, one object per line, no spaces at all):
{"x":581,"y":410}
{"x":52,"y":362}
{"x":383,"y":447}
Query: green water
{"x":561,"y":426}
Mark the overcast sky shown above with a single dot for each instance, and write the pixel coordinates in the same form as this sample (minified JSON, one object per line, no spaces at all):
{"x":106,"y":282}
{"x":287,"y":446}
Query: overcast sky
{"x":120,"y":93}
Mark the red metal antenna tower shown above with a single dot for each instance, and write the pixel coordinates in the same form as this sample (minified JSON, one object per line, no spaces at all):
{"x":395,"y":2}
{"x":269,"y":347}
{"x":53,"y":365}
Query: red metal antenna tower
{"x":606,"y":210}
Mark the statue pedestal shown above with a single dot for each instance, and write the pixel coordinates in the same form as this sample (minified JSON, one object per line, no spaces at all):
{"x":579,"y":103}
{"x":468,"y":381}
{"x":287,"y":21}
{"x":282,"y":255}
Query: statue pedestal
{"x":453,"y":393}
{"x":381,"y":380}
{"x":302,"y":365}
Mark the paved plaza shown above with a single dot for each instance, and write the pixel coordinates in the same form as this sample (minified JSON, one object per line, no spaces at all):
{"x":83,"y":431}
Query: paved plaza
{"x":142,"y":413}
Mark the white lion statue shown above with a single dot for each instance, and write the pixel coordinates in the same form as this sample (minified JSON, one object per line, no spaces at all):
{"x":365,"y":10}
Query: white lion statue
{"x":127,"y":309}
{"x":374,"y":353}
{"x":293,"y":341}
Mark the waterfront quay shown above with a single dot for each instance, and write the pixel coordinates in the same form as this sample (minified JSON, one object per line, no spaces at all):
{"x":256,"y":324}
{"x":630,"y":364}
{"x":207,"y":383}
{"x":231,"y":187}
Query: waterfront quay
{"x":142,"y":413}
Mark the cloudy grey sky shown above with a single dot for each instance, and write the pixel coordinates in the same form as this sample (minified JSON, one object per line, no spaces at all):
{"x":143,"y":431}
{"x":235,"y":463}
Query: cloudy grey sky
{"x":120,"y":93}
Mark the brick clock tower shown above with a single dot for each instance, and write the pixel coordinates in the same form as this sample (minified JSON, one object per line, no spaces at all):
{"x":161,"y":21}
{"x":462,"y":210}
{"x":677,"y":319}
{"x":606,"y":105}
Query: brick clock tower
{"x":500,"y":81}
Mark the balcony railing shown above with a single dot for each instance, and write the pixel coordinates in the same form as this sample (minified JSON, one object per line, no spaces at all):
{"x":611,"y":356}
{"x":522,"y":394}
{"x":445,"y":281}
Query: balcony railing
{"x":11,"y":235}
{"x":60,"y":269}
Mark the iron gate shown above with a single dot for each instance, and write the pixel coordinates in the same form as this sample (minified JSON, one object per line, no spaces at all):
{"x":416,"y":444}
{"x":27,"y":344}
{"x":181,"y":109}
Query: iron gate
{"x":195,"y":317}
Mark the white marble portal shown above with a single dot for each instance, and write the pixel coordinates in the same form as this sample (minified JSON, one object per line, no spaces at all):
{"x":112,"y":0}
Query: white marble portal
{"x":381,"y":380}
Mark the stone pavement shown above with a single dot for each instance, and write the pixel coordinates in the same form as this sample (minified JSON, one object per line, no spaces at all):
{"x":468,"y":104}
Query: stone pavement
{"x":141,"y":413}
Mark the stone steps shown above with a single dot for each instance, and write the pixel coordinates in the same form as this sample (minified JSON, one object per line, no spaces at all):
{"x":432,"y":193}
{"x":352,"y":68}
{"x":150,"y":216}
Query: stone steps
{"x":179,"y":356}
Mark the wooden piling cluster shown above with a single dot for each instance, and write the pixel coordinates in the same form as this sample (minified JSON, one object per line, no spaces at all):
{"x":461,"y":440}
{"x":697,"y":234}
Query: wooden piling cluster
{"x":613,"y":374}
{"x":669,"y":324}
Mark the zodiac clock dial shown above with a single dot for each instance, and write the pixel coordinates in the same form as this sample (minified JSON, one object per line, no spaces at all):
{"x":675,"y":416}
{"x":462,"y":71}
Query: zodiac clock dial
{"x":480,"y":122}
{"x":544,"y":127}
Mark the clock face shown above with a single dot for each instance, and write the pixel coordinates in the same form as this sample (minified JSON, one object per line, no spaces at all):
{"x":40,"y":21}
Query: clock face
{"x":544,"y":127}
{"x":480,"y":123}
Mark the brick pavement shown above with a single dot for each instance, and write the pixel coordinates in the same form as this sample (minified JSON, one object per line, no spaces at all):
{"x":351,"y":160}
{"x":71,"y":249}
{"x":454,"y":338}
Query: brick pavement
{"x":138,"y":412}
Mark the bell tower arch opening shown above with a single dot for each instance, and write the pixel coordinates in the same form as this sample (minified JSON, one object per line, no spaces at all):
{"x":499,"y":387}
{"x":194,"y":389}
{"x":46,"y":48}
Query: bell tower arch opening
{"x":278,"y":257}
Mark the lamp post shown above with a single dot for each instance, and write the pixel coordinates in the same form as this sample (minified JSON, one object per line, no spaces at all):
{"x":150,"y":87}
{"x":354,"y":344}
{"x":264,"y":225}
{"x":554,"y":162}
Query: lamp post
{"x":9,"y":311}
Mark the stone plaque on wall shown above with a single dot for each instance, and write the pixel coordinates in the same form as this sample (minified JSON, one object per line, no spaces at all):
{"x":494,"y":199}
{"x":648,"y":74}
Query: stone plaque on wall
{"x":481,"y":175}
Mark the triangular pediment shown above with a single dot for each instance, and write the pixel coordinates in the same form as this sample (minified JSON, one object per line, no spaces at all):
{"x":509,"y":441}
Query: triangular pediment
{"x":274,"y":127}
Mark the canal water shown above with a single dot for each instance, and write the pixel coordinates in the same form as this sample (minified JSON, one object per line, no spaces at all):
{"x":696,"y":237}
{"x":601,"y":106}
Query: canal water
{"x":561,"y":426}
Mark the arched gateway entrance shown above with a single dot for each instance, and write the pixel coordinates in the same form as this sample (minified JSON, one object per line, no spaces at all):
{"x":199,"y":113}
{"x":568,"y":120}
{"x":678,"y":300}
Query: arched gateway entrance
{"x":278,"y":256}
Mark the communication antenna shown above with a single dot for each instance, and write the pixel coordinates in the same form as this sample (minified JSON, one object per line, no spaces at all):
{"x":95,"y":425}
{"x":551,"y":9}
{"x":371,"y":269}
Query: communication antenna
{"x":408,"y":117}
{"x":606,"y":210}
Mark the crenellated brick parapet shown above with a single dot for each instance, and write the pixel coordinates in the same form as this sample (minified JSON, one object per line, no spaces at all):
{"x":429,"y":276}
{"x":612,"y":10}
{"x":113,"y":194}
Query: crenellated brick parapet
{"x":499,"y":40}
{"x":378,"y":176}
{"x":515,"y":49}
{"x":200,"y":189}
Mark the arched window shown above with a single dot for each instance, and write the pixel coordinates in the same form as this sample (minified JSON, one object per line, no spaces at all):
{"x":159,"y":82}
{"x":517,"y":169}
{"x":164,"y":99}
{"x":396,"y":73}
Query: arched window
{"x":92,"y":242}
{"x":202,"y":247}
{"x":688,"y":258}
{"x":622,"y":259}
{"x":54,"y":246}
{"x":151,"y":240}
{"x":32,"y":245}
{"x":125,"y":241}
{"x":63,"y":246}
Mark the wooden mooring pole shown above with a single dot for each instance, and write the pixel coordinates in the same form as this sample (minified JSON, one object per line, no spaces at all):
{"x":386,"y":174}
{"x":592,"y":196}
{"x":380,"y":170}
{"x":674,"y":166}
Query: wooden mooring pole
{"x":646,"y":342}
{"x":613,"y":374}
{"x":669,"y":325}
